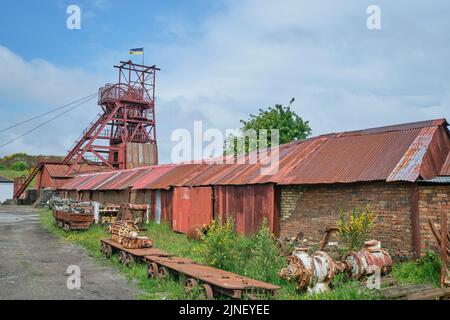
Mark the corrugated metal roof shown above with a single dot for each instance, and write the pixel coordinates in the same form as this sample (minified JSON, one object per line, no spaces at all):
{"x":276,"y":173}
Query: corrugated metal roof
{"x":59,"y":170}
{"x":5,"y":180}
{"x":439,"y":180}
{"x":393,"y":153}
{"x":445,"y":171}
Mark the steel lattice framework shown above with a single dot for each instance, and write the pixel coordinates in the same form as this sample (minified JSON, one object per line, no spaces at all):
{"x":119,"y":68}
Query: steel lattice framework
{"x":128,"y":116}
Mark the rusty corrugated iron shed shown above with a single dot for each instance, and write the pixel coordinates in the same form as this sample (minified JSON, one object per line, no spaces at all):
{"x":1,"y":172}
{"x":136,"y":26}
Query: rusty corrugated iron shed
{"x":446,"y":167}
{"x":59,"y":170}
{"x":405,"y":152}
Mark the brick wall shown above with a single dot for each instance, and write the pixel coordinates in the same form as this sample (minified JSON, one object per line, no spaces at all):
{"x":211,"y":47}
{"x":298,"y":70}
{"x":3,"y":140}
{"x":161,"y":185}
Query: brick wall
{"x":310,"y":209}
{"x":432,"y":198}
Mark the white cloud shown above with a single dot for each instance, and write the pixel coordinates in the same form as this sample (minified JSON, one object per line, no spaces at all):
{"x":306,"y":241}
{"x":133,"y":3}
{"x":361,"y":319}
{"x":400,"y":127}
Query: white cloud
{"x":29,"y":88}
{"x":257,"y":53}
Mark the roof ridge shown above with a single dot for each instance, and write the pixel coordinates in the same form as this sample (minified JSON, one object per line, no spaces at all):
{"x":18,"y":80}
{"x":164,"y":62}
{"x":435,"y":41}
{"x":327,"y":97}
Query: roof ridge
{"x":5,"y":179}
{"x":383,"y":129}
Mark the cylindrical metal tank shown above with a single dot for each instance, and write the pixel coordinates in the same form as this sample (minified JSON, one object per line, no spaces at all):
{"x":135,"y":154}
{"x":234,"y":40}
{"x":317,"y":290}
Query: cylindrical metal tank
{"x":368,"y":261}
{"x":313,"y":273}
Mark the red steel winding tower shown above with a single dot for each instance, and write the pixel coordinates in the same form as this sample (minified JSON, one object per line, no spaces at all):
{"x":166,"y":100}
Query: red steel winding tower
{"x":124,"y":134}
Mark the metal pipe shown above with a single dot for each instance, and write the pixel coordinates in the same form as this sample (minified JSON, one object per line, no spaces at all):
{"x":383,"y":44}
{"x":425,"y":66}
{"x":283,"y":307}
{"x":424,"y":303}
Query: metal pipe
{"x":313,"y":273}
{"x":367,"y":261}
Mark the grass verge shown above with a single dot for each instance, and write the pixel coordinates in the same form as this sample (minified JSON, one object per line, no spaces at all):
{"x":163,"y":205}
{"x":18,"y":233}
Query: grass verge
{"x":425,"y":270}
{"x":178,"y":244}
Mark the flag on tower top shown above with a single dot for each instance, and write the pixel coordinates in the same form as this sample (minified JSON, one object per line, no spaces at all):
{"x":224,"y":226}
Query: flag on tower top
{"x":137,"y":51}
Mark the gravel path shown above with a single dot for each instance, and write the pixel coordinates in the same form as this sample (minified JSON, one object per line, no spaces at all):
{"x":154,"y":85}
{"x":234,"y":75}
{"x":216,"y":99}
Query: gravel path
{"x":33,"y":264}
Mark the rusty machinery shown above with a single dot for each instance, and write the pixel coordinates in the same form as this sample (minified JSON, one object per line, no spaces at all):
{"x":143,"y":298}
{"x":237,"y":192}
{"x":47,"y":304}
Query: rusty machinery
{"x":315,"y":272}
{"x":371,"y":259}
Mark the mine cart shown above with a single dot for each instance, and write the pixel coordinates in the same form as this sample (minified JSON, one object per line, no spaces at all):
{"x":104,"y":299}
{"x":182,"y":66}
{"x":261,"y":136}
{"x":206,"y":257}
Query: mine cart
{"x":73,"y":221}
{"x":205,"y":280}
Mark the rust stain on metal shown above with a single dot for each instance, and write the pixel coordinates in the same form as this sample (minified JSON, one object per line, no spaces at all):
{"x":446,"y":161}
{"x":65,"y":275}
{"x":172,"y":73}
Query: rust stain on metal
{"x":315,"y":272}
{"x":73,"y":221}
{"x":362,"y":263}
{"x":312,"y":272}
{"x":247,"y":205}
{"x":395,"y":153}
{"x":216,"y":277}
{"x":446,"y":167}
{"x":408,"y":168}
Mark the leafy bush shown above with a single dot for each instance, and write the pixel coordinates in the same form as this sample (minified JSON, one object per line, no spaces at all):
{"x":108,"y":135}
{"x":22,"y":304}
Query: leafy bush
{"x":355,"y":226}
{"x":19,"y":166}
{"x":219,"y":244}
{"x":257,"y":256}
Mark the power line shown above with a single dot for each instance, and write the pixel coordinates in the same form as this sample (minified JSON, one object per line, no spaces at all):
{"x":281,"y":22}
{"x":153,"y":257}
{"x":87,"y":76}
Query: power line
{"x":46,"y":122}
{"x":46,"y":113}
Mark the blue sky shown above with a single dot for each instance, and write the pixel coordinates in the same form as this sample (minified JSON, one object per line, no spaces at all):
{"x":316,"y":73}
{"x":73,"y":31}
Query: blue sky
{"x":222,"y":60}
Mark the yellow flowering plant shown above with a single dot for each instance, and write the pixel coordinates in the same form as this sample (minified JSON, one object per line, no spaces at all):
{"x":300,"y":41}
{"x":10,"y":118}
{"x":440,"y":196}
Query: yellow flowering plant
{"x":355,"y":226}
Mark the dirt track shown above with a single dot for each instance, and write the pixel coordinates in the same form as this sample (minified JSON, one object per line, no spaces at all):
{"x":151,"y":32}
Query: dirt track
{"x":33,"y":263}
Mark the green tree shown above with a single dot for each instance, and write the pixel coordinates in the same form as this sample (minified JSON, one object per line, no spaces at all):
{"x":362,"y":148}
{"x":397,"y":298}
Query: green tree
{"x":19,"y":166}
{"x":290,"y":125}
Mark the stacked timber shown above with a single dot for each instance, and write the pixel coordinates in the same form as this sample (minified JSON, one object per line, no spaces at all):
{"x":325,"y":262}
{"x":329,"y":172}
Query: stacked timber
{"x":126,"y":233}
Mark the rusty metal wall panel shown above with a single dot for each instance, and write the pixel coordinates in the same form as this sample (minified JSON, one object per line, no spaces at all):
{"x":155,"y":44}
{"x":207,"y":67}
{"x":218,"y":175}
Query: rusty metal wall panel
{"x":446,"y":167}
{"x":140,"y":155}
{"x":140,"y":197}
{"x":408,"y":168}
{"x":167,"y":206}
{"x":191,"y":207}
{"x":248,"y":205}
{"x":435,"y":156}
{"x":180,"y":209}
{"x":201,"y":206}
{"x":44,"y":180}
{"x":96,"y":196}
{"x":112,"y":196}
{"x":85,"y":195}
